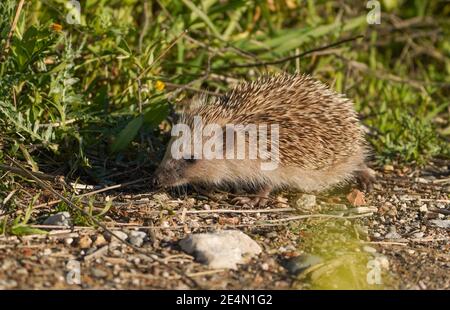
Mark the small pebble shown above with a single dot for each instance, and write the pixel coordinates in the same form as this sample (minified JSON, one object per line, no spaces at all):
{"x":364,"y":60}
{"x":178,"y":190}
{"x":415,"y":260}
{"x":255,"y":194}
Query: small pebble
{"x":298,"y":264}
{"x":357,"y":198}
{"x":369,"y":249}
{"x":383,"y":261}
{"x":388,"y":168}
{"x":418,"y":235}
{"x":47,"y":252}
{"x":392,"y":235}
{"x":68,"y":241}
{"x":441,"y":223}
{"x":100,"y":241}
{"x":122,"y":236}
{"x":59,"y":219}
{"x":307,"y":202}
{"x":85,"y":242}
{"x":362,"y":210}
{"x":21,"y":271}
{"x":422,"y":180}
{"x":423,"y":208}
{"x":161,"y":197}
{"x":98,"y":273}
{"x":137,"y":238}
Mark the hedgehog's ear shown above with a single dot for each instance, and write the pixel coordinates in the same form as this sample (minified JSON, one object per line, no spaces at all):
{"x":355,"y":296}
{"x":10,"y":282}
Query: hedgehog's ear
{"x":198,"y":101}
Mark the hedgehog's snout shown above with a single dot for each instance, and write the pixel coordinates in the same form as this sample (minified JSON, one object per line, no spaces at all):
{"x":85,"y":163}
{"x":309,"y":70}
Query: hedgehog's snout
{"x":170,"y":173}
{"x":163,"y":178}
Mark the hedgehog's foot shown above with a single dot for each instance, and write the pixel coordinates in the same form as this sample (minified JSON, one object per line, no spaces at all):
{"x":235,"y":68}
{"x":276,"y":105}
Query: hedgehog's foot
{"x":216,"y":197}
{"x":259,"y":200}
{"x":365,"y":178}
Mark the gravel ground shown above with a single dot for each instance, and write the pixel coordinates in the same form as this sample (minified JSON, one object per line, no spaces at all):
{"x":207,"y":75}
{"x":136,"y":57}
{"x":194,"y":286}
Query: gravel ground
{"x":395,"y":237}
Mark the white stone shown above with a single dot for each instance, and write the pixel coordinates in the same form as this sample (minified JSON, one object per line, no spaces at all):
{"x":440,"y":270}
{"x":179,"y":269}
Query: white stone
{"x":441,"y":223}
{"x":306,"y":201}
{"x":383,"y":261}
{"x":369,"y":249}
{"x":68,"y":241}
{"x":137,"y":237}
{"x":222,"y":249}
{"x":423,"y":208}
{"x":418,"y":235}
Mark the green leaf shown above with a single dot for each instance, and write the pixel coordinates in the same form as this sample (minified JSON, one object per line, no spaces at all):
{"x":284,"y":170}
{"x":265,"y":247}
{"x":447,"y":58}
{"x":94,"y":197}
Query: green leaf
{"x":124,"y":48}
{"x":202,"y":16}
{"x":127,"y":134}
{"x":156,"y":114}
{"x":308,"y":36}
{"x":108,"y":205}
{"x":21,"y":230}
{"x":30,"y":209}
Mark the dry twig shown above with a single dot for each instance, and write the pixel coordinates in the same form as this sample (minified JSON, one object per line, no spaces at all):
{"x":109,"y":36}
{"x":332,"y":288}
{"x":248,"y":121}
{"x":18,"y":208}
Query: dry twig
{"x":285,"y":59}
{"x":5,"y":51}
{"x":153,"y":255}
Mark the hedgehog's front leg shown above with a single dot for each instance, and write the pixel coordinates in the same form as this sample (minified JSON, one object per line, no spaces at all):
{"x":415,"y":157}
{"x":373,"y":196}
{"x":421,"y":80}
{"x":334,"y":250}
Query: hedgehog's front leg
{"x":365,"y":177}
{"x":260,"y":199}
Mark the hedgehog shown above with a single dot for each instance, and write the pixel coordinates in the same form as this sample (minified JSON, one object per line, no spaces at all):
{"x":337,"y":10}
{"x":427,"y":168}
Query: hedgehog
{"x":319,"y":142}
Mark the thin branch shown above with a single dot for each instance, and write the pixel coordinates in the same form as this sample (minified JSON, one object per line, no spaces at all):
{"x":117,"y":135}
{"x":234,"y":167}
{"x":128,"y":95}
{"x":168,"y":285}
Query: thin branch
{"x":101,"y":190}
{"x":187,"y":87}
{"x":160,"y":56}
{"x":11,"y":31}
{"x":386,"y":243}
{"x":265,"y":223}
{"x":58,"y":124}
{"x":301,"y":217}
{"x":146,"y":19}
{"x":40,"y":175}
{"x":285,"y":59}
{"x":239,"y":211}
{"x":175,"y":227}
{"x":73,"y":206}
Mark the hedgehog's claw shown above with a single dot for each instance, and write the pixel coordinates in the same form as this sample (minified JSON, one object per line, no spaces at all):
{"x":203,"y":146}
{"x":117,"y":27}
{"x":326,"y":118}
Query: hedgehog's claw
{"x":365,"y":179}
{"x":260,"y":200}
{"x":251,"y":201}
{"x":243,"y":201}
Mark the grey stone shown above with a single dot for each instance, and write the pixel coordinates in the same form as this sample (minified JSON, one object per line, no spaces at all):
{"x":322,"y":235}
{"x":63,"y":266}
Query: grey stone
{"x":298,"y":264}
{"x":123,"y":236}
{"x":59,"y":219}
{"x":441,"y":223}
{"x":98,"y":273}
{"x":392,"y":235}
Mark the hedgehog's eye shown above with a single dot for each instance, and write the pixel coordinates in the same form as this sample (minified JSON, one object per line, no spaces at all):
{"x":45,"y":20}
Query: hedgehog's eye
{"x":190,"y":160}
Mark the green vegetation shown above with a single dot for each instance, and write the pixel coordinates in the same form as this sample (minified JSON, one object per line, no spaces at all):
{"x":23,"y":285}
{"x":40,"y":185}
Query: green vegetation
{"x":76,"y":99}
{"x":345,"y":264}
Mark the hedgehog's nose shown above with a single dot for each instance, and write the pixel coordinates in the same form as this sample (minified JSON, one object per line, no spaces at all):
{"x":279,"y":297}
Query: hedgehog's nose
{"x":155,"y":182}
